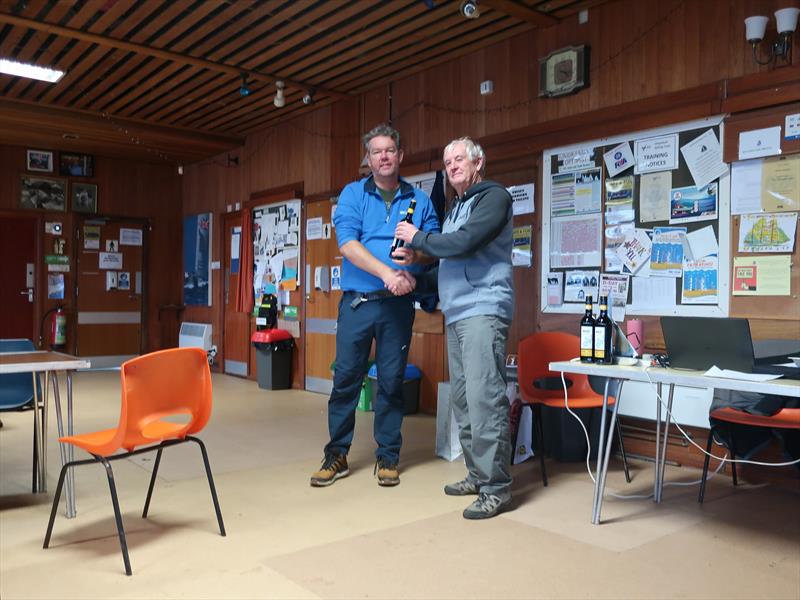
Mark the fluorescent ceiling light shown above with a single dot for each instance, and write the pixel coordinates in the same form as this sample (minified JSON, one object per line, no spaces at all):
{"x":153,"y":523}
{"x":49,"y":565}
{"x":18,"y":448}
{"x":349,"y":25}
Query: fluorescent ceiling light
{"x":12,"y":67}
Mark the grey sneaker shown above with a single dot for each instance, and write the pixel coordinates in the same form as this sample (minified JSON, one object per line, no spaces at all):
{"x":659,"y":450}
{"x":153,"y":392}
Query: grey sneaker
{"x":461,"y":488}
{"x":333,"y":467}
{"x":486,"y":506}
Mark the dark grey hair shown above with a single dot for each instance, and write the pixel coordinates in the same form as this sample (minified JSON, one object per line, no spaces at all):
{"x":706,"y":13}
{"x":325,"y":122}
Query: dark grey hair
{"x":382,"y":130}
{"x":474,"y":150}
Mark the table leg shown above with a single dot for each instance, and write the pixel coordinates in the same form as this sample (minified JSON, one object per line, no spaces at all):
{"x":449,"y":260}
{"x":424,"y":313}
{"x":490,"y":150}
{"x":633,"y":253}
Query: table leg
{"x":61,"y":446}
{"x":70,"y":450}
{"x":596,"y":500}
{"x":658,"y":441}
{"x":43,"y":438}
{"x":37,"y":436}
{"x":607,"y":442}
{"x":663,"y":454}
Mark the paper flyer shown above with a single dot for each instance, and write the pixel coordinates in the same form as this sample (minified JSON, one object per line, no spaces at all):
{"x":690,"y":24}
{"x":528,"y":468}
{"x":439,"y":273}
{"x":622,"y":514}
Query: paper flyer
{"x":575,"y":160}
{"x":635,"y":250}
{"x":780,"y":184}
{"x":555,"y":288}
{"x":760,"y":142}
{"x":762,"y":275}
{"x":521,"y":251}
{"x":562,"y":195}
{"x":91,"y":237}
{"x":746,"y":186}
{"x":55,"y":286}
{"x":576,"y":241}
{"x":767,"y":232}
{"x":654,"y":196}
{"x":667,"y":255}
{"x":656,"y":154}
{"x":703,"y":156}
{"x":588,"y":191}
{"x":580,"y":284}
{"x":619,"y":200}
{"x":522,"y":198}
{"x":699,"y":281}
{"x":689,"y":204}
{"x":618,"y":159}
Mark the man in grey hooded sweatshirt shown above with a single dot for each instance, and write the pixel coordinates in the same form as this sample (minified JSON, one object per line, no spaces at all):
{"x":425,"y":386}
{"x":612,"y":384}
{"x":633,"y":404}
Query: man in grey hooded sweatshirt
{"x":475,"y":287}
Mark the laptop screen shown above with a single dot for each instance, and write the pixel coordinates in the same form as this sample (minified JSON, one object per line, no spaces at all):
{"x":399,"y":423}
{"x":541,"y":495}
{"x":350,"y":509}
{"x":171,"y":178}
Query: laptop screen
{"x":702,"y":342}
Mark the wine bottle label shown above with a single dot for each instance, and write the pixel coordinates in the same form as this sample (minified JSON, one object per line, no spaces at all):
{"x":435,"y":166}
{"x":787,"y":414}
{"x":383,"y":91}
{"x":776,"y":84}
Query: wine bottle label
{"x":599,"y":342}
{"x":586,"y":340}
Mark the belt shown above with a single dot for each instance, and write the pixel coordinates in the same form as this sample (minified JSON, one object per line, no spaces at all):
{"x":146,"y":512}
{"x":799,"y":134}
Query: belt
{"x":361,"y":297}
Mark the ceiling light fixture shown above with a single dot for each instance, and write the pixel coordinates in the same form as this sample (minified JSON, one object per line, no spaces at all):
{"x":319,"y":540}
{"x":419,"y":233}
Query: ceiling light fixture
{"x":309,"y":97}
{"x":280,"y":99}
{"x":18,"y":69}
{"x":756,"y":27}
{"x":244,"y":89}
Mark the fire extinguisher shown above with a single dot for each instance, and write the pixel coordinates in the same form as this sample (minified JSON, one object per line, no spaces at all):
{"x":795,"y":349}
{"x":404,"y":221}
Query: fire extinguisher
{"x":58,"y":328}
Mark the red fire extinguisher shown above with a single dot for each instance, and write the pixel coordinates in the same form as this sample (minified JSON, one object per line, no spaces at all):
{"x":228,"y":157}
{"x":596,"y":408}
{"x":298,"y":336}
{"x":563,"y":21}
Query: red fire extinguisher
{"x":58,"y":328}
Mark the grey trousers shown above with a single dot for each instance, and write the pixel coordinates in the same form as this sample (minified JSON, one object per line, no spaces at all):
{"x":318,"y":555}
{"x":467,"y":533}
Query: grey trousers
{"x":476,"y":349}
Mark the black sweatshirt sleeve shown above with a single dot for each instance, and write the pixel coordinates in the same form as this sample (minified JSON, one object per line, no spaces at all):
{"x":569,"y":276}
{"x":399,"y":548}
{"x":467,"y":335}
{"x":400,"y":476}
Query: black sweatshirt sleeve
{"x":489,"y":215}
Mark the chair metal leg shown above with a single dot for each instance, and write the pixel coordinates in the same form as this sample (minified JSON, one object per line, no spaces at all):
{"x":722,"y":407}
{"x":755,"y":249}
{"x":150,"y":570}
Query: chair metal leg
{"x":537,"y":424}
{"x":210,"y":483}
{"x":622,"y":451}
{"x":152,"y":483}
{"x":705,"y":468}
{"x":733,"y":456}
{"x":54,"y":510}
{"x":117,"y":516}
{"x":35,"y":477}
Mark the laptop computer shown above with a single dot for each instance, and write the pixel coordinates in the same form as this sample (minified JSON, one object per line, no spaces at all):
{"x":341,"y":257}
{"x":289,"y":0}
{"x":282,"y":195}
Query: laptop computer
{"x":701,"y":342}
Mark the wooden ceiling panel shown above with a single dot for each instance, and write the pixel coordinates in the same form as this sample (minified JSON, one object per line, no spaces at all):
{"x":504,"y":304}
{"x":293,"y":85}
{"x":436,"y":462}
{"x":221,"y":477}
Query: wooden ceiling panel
{"x":171,"y":69}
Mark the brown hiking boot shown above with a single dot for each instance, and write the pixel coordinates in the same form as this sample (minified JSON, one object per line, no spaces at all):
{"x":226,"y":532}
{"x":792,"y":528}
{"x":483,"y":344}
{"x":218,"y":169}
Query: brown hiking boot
{"x":334,"y":467}
{"x":386,"y":472}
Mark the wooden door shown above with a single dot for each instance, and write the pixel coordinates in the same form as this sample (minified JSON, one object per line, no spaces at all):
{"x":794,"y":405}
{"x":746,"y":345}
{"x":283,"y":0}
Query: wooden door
{"x":322,"y":307}
{"x":235,"y":325}
{"x":18,"y":291}
{"x":110,"y":289}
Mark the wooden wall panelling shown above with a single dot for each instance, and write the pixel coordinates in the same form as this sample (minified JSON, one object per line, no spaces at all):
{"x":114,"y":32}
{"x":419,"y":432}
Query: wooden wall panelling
{"x":126,"y":188}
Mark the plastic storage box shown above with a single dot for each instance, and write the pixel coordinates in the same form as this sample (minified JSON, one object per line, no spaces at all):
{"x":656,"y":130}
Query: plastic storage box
{"x":410,"y":387}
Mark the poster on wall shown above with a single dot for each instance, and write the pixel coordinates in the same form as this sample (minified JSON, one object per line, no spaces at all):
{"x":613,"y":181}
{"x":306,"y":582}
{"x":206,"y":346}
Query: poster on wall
{"x":197,"y":260}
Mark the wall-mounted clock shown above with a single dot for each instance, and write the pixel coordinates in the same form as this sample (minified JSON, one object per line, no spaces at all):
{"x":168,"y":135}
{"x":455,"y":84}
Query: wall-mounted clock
{"x":564,"y":71}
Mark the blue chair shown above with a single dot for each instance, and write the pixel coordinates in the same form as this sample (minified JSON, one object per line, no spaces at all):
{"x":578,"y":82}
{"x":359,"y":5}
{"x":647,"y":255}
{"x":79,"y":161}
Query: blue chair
{"x":17,"y":393}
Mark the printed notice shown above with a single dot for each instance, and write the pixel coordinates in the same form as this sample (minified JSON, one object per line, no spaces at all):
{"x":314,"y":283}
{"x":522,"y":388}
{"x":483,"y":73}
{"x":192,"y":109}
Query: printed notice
{"x":576,"y":241}
{"x":746,"y":186}
{"x":767,"y":232}
{"x":521,"y":251}
{"x":760,"y":142}
{"x":780,"y":184}
{"x":657,"y":154}
{"x":700,"y":281}
{"x":762,"y":275}
{"x":522,"y":198}
{"x":130,"y":237}
{"x":555,"y":288}
{"x":703,"y":156}
{"x":618,"y":159}
{"x":654,"y":194}
{"x":314,"y":229}
{"x":110,"y":260}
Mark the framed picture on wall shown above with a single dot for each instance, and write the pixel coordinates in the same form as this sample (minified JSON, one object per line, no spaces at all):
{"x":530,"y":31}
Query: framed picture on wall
{"x":40,"y":160}
{"x":45,"y":193}
{"x":75,"y":165}
{"x":84,"y":197}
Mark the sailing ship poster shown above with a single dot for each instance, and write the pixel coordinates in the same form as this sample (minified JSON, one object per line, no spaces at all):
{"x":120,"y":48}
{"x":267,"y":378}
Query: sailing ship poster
{"x":197,"y":260}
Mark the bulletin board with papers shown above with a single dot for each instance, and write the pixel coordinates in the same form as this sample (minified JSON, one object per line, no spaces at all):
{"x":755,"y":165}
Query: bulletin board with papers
{"x":643,"y":218}
{"x":276,"y":250}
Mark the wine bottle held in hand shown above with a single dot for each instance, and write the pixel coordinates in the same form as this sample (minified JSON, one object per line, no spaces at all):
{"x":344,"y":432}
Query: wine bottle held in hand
{"x":409,"y":218}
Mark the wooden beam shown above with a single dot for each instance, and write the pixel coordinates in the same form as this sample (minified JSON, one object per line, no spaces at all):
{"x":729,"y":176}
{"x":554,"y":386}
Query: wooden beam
{"x":521,"y":12}
{"x":110,"y":42}
{"x":131,"y":136}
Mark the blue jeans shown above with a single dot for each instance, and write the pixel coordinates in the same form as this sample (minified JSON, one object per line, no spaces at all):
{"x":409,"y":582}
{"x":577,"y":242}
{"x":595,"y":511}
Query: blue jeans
{"x":388,"y":321}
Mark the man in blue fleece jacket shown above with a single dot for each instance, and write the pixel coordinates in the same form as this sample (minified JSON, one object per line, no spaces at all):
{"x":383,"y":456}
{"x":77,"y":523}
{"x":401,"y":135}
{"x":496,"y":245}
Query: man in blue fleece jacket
{"x":477,"y":299}
{"x":376,"y":304}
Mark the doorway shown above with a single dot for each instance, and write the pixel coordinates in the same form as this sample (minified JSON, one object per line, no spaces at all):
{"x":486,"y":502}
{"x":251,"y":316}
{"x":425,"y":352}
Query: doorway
{"x":18,"y":293}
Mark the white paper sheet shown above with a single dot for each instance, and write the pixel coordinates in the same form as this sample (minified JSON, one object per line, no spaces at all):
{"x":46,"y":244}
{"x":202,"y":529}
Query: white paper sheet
{"x":715,"y":371}
{"x":701,"y":243}
{"x":703,"y":156}
{"x":576,"y":241}
{"x":618,"y":159}
{"x":654,"y":196}
{"x":522,"y":197}
{"x":746,"y":186}
{"x":760,"y":142}
{"x":652,"y":292}
{"x":314,"y":229}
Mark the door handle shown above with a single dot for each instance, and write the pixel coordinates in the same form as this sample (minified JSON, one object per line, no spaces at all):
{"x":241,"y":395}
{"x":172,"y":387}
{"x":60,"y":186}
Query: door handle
{"x":28,"y":293}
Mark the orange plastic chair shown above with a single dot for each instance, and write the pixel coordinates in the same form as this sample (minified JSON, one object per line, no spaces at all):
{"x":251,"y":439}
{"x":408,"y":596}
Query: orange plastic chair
{"x":539,"y":386}
{"x":786,"y":418}
{"x":162,"y":384}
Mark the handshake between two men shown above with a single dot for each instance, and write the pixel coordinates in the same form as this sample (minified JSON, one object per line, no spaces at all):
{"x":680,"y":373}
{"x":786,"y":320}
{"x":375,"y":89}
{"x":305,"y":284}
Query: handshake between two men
{"x":400,"y":282}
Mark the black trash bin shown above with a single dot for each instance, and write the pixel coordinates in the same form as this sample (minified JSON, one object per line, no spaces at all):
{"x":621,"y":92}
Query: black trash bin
{"x":273,"y":358}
